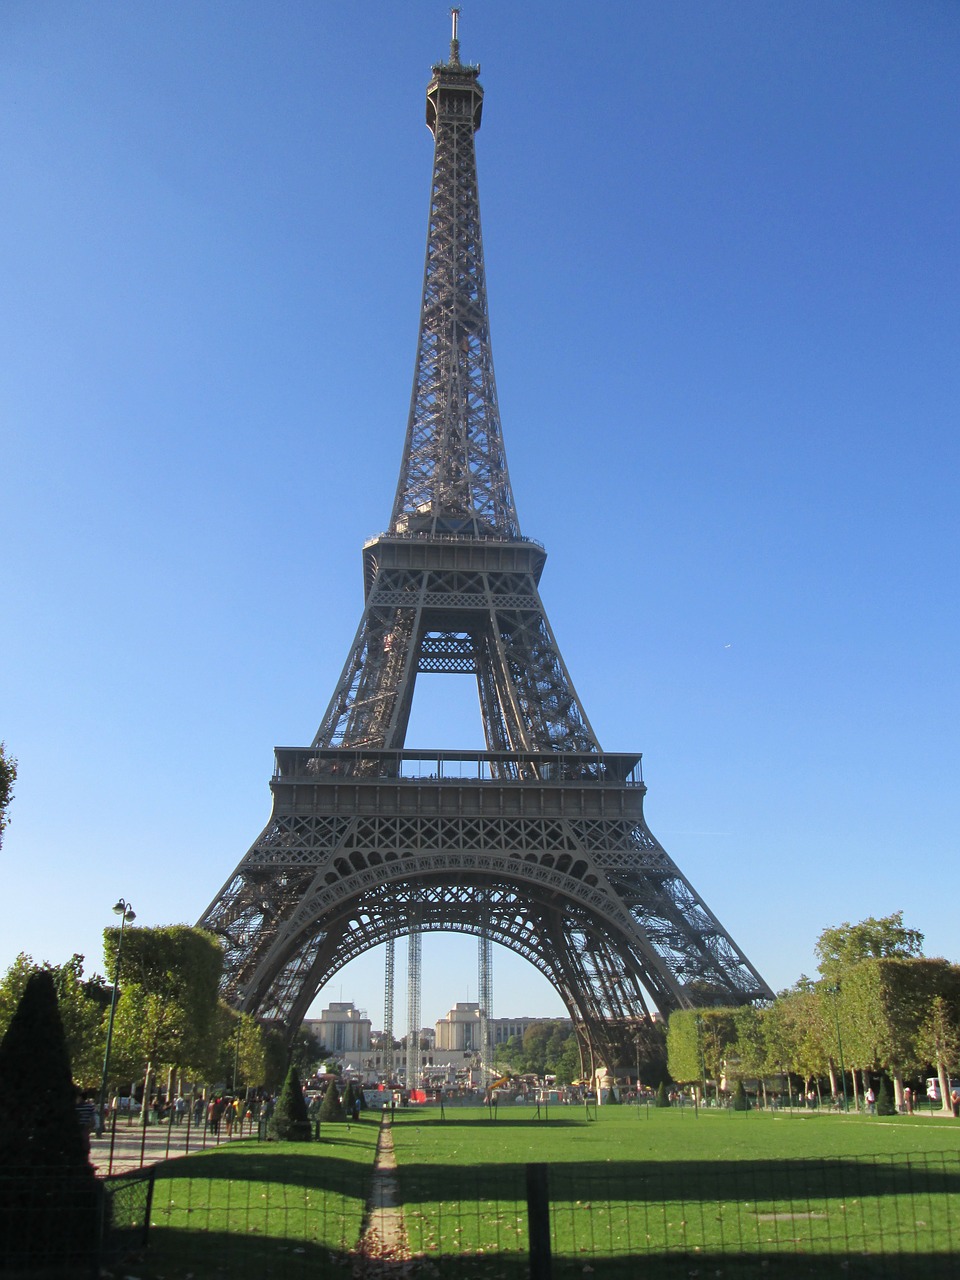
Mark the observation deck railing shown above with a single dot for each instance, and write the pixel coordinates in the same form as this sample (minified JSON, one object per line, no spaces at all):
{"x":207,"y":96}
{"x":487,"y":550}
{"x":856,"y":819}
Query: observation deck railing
{"x":550,"y":768}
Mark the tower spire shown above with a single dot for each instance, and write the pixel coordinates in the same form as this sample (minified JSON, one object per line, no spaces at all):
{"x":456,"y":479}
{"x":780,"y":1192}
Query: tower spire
{"x":454,"y":40}
{"x":453,"y":475}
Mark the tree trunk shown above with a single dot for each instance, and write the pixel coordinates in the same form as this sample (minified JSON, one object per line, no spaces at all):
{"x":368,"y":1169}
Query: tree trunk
{"x":945,"y":1104}
{"x":147,"y":1076}
{"x":835,"y":1089}
{"x":898,"y":1088}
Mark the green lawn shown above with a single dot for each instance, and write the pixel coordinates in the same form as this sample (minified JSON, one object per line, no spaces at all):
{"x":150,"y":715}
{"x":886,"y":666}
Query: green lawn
{"x":272,"y":1209}
{"x":729,"y":1193}
{"x":654,"y":1134}
{"x":744,"y":1193}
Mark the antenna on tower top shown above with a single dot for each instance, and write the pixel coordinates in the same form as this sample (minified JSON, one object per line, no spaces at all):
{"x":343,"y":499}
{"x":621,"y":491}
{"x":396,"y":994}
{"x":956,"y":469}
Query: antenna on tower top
{"x":454,"y":41}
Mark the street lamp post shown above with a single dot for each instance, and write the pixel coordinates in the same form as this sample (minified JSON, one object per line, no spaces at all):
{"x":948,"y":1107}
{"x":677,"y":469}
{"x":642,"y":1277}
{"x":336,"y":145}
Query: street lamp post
{"x":127,"y":916}
{"x":236,"y":1054}
{"x":835,"y":991}
{"x":703,"y":1066}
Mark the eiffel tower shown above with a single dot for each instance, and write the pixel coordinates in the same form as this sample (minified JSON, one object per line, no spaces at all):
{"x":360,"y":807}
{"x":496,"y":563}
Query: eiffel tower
{"x":539,"y":842}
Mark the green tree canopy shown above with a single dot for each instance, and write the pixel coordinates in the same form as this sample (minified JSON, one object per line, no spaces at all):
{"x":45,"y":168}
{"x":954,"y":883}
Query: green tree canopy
{"x":8,"y":776}
{"x":81,"y":1006}
{"x":168,"y":1012}
{"x":847,"y":944}
{"x":306,"y":1052}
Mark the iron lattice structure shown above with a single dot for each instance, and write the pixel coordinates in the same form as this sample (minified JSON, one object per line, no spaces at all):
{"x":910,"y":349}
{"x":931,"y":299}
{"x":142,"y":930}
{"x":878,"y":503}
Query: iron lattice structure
{"x":539,"y":843}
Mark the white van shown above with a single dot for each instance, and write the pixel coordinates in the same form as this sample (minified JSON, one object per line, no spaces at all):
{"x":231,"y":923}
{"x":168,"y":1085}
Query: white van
{"x":933,"y":1088}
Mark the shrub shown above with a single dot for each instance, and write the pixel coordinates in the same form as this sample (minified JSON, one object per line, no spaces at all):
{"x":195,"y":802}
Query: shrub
{"x":331,"y":1108}
{"x":49,"y":1198}
{"x":663,"y":1099}
{"x":740,"y":1100}
{"x":290,"y":1122}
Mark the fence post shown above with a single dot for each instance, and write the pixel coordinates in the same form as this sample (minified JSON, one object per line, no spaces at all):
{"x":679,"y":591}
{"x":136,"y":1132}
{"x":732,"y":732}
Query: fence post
{"x":538,"y":1222}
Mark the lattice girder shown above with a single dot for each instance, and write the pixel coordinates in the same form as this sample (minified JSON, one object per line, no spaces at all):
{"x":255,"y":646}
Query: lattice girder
{"x":453,"y":476}
{"x":541,"y":839}
{"x":563,"y":833}
{"x":483,"y":592}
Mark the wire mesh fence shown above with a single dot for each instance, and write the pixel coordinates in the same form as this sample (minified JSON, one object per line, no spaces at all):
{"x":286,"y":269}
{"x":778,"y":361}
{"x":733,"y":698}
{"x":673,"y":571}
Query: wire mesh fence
{"x":70,"y":1224}
{"x":869,"y":1216}
{"x":896,"y":1216}
{"x":292,"y":1225}
{"x":873,"y":1215}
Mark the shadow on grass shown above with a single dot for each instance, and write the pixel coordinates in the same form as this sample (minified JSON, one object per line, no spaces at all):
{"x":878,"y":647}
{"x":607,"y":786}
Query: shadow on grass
{"x":180,"y":1255}
{"x":176,"y":1255}
{"x":477,"y":1119}
{"x":314,"y":1165}
{"x":732,"y":1266}
{"x":686,"y":1181}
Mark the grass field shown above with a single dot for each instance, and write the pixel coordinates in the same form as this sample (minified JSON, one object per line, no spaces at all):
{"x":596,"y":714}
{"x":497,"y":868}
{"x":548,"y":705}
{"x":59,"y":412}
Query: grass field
{"x":262,"y":1209}
{"x":742,"y":1191}
{"x":729,"y":1193}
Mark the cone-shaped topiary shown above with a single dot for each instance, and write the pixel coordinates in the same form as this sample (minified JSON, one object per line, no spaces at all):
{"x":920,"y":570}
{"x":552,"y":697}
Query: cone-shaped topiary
{"x":663,"y":1099}
{"x":331,"y":1108}
{"x":352,"y":1099}
{"x":347,"y":1098}
{"x":49,"y":1200}
{"x":740,"y":1100}
{"x":290,"y":1122}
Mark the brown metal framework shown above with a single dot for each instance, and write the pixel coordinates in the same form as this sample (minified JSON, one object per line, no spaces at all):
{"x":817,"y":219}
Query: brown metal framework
{"x":538,"y":843}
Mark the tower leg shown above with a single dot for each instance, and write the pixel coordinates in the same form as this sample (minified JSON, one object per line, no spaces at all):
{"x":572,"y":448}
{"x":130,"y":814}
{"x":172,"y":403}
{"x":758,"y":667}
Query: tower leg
{"x":413,"y":1010}
{"x":485,"y":989}
{"x":388,"y":1011}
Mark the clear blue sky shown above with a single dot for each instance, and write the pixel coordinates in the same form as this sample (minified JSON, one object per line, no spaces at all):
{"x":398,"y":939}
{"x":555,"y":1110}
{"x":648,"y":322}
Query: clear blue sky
{"x":722,"y":253}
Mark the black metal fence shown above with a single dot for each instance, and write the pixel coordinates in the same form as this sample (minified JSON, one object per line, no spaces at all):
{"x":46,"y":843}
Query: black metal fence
{"x":874,"y":1216}
{"x":71,"y":1225}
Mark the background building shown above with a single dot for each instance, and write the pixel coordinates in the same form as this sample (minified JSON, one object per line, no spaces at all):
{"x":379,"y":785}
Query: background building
{"x":344,"y":1030}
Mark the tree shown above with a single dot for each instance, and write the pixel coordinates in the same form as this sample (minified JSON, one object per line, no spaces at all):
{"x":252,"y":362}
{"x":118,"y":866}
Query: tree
{"x":535,"y":1041}
{"x":701,"y":1042}
{"x":274,"y":1058}
{"x":49,"y":1210}
{"x":81,"y":1007}
{"x":751,"y":1044}
{"x":885,"y":1105}
{"x":350,"y":1094}
{"x":568,"y":1066}
{"x":938,"y":1042}
{"x":252,"y":1059}
{"x":332,"y":1108}
{"x":306,"y":1052}
{"x":884,"y":1002}
{"x":683,"y":1046}
{"x":41,"y":1128}
{"x":168,"y":1014}
{"x":509,"y":1053}
{"x":8,"y":776}
{"x":242,"y":1049}
{"x":290,"y":1121}
{"x":847,"y":944}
